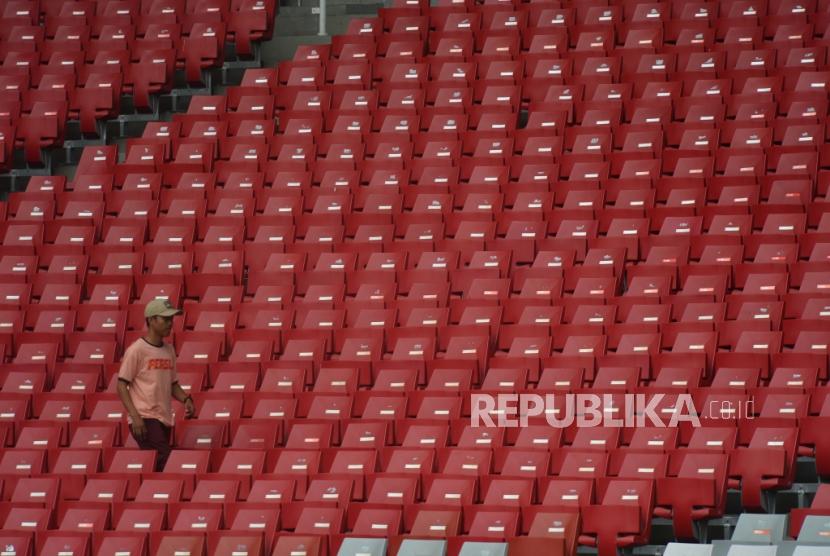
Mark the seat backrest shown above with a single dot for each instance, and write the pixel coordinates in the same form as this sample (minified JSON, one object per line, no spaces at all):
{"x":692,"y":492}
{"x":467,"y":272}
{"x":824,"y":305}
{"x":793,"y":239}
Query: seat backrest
{"x":760,"y":528}
{"x":412,"y":547}
{"x":750,"y":550}
{"x":483,"y":549}
{"x":687,"y":549}
{"x":810,"y":551}
{"x":815,"y":530}
{"x":368,"y":547}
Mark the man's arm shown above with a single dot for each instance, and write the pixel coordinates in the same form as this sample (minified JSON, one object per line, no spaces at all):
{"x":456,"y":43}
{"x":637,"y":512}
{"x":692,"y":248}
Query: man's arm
{"x":137,"y":425}
{"x":180,"y":395}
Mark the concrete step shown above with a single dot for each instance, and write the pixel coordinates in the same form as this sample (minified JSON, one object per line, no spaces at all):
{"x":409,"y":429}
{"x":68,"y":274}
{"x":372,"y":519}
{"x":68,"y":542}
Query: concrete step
{"x":283,"y":47}
{"x":332,"y":3}
{"x":366,"y":10}
{"x":304,"y":26}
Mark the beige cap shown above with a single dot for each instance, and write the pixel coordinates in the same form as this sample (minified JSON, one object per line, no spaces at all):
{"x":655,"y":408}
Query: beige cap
{"x":160,"y":308}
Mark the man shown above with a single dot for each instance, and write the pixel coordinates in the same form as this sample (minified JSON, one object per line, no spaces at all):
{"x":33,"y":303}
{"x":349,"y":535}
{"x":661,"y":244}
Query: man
{"x":147,"y":381}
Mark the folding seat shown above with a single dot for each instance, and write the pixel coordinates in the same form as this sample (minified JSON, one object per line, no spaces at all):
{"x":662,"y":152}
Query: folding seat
{"x":753,"y":528}
{"x":502,"y":45}
{"x":27,"y":519}
{"x":602,"y":439}
{"x":509,"y":492}
{"x":308,"y":436}
{"x":84,"y":517}
{"x":327,"y":490}
{"x":110,"y":543}
{"x":220,"y":542}
{"x":313,"y":545}
{"x":456,"y":491}
{"x":42,"y":491}
{"x":795,"y":378}
{"x":701,"y":478}
{"x":162,"y":491}
{"x":298,"y":465}
{"x":250,"y":517}
{"x":95,"y":436}
{"x":128,"y":464}
{"x":71,"y":465}
{"x":812,"y":530}
{"x":647,"y":466}
{"x":249,"y":23}
{"x":407,"y":460}
{"x":203,"y":434}
{"x":758,"y":342}
{"x":391,"y":490}
{"x":616,"y":378}
{"x":763,"y":284}
{"x":193,"y":516}
{"x":812,"y":342}
{"x":553,"y":378}
{"x":618,"y":523}
{"x":492,"y":523}
{"x":450,"y":380}
{"x":725,"y":406}
{"x":203,"y":48}
{"x":741,"y":378}
{"x":765,"y":464}
{"x":784,"y":406}
{"x":401,"y":74}
{"x":180,"y":541}
{"x":42,"y":128}
{"x":319,"y":520}
{"x":433,"y":407}
{"x":59,"y":295}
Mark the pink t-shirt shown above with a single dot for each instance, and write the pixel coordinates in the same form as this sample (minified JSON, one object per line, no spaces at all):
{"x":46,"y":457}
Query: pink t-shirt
{"x":151,"y":372}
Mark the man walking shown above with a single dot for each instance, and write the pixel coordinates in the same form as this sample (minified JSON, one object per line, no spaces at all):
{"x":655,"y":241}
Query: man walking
{"x":147,"y":381}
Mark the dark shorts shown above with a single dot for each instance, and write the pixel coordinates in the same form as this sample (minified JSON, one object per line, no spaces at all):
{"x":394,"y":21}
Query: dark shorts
{"x":158,"y":439}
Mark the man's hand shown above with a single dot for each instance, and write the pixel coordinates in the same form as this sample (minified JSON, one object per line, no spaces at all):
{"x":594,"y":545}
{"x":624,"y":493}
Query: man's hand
{"x":189,"y":409}
{"x":139,"y":428}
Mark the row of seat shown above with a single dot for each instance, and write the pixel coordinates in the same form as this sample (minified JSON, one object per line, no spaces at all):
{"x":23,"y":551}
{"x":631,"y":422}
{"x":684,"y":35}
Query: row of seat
{"x":510,"y":17}
{"x":321,"y":335}
{"x":516,"y":316}
{"x":575,"y":13}
{"x":52,"y":72}
{"x":469,"y":192}
{"x":208,"y":141}
{"x":295,"y":476}
{"x":249,"y":106}
{"x":639,"y":53}
{"x":788,"y":374}
{"x":347,"y":79}
{"x":505,"y":85}
{"x":220,"y":543}
{"x":350,"y":499}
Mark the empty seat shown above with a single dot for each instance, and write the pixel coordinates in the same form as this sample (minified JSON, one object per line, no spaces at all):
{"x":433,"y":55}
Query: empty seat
{"x":761,"y":529}
{"x":683,"y":549}
{"x":412,"y":547}
{"x":353,"y":546}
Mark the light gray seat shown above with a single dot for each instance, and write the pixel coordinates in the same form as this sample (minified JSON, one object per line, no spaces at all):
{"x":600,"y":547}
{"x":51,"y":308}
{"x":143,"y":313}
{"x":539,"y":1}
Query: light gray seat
{"x":760,"y":528}
{"x":470,"y":548}
{"x":752,"y":550}
{"x":686,"y":549}
{"x":810,"y":551}
{"x":362,"y":547}
{"x":815,"y":530}
{"x":413,"y":547}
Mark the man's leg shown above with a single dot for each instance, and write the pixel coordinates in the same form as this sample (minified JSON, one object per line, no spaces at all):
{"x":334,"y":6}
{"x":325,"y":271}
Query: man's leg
{"x":158,"y":439}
